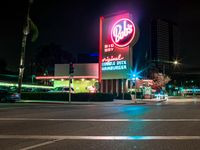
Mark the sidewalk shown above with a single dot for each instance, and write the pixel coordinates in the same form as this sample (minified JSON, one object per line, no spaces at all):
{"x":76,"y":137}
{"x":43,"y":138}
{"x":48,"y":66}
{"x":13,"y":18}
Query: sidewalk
{"x":184,"y":97}
{"x":115,"y":101}
{"x":185,"y":100}
{"x":118,"y":102}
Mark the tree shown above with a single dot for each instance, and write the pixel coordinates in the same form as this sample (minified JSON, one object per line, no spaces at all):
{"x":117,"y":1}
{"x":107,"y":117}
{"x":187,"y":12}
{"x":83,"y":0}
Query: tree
{"x":28,"y":26}
{"x":3,"y":66}
{"x":160,"y":80}
{"x":48,"y":56}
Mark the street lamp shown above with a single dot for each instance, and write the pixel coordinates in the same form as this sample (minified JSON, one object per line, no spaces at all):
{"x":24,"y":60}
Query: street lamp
{"x":175,"y":62}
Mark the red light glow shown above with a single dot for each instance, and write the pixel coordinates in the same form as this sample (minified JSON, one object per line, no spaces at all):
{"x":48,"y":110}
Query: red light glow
{"x":112,"y":58}
{"x":123,"y":32}
{"x":100,"y":47}
{"x":65,"y":77}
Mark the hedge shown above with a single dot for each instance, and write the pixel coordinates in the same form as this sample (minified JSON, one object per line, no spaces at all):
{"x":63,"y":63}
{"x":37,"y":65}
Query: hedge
{"x":65,"y":97}
{"x":127,"y":96}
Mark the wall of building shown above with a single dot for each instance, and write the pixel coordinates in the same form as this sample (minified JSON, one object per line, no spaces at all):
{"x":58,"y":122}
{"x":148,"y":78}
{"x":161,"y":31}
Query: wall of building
{"x":87,"y":69}
{"x":84,"y":78}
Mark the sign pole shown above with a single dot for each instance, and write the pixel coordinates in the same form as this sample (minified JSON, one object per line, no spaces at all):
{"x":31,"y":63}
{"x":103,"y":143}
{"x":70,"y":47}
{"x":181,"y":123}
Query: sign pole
{"x":135,"y":89}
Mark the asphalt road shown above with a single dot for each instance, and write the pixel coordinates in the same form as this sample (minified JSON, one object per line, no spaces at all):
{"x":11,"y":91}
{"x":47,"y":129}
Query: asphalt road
{"x":105,"y":126}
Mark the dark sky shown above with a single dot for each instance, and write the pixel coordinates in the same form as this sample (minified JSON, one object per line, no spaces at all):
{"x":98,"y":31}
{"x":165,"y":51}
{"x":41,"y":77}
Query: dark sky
{"x":75,"y":25}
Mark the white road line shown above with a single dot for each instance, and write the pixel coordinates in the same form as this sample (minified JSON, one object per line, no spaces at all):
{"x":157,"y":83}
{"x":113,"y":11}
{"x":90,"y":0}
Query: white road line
{"x":3,"y":108}
{"x":134,"y":138}
{"x":39,"y":145}
{"x":101,"y":120}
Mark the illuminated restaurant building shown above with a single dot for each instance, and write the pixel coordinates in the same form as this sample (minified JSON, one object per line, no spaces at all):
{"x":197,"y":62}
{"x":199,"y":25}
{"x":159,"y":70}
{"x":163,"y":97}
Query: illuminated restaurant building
{"x":113,"y":73}
{"x":84,"y":79}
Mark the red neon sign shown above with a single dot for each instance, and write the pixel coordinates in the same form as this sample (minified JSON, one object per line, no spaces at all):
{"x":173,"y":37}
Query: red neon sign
{"x":123,"y":32}
{"x":65,"y":77}
{"x":112,"y":58}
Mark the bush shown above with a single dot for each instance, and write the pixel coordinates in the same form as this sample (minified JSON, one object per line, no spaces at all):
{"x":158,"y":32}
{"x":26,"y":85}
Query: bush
{"x":127,"y":96}
{"x":65,"y":96}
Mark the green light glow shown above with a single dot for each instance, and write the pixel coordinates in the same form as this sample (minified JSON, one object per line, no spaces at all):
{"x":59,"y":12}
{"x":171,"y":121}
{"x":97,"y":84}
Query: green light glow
{"x":80,"y":86}
{"x":6,"y":84}
{"x":24,"y":85}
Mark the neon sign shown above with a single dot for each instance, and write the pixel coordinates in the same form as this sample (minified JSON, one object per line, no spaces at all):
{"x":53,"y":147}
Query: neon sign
{"x":115,"y":65}
{"x":112,"y":58}
{"x":118,"y":33}
{"x":123,"y":32}
{"x":108,"y":47}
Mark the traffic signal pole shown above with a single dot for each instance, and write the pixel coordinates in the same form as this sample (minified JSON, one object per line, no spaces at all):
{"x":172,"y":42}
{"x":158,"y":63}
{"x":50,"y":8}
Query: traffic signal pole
{"x":69,"y":88}
{"x":71,"y":71}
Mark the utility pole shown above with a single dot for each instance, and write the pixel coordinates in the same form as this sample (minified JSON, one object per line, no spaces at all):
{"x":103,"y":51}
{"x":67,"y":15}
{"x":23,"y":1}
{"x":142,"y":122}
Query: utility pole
{"x":69,"y":88}
{"x":26,"y":31}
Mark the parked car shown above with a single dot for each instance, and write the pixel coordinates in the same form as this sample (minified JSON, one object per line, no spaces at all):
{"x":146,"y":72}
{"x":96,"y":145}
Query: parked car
{"x":6,"y":96}
{"x":61,"y":89}
{"x":91,"y":89}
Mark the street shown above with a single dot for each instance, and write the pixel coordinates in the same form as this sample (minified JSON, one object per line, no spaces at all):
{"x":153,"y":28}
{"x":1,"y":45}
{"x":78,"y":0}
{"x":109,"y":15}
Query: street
{"x":96,"y":126}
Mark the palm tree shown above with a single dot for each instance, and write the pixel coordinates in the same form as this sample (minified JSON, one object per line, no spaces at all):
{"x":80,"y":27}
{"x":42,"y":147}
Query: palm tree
{"x":28,"y":26}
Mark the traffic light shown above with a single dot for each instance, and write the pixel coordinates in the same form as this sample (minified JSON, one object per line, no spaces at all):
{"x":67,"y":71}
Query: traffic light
{"x":71,"y":68}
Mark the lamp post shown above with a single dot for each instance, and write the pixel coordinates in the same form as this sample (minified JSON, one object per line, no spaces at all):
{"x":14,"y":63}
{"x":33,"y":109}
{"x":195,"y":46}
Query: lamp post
{"x":135,"y":78}
{"x":163,"y":68}
{"x":175,"y":62}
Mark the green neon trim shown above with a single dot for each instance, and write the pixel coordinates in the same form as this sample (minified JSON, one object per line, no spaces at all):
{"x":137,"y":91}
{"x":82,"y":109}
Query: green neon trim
{"x":25,"y":85}
{"x":6,"y":84}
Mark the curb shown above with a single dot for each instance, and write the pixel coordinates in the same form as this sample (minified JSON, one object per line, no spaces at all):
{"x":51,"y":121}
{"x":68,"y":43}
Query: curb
{"x":127,"y":102}
{"x":42,"y":102}
{"x":64,"y":102}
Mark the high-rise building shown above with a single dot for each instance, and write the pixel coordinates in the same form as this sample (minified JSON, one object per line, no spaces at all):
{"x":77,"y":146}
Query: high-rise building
{"x":164,"y":43}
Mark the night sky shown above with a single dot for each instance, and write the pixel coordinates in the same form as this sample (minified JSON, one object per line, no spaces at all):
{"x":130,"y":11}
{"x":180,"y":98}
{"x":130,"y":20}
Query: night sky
{"x":75,"y":25}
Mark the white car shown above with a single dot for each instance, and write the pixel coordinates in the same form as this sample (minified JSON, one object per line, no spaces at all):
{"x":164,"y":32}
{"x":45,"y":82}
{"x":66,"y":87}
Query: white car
{"x":61,"y":89}
{"x":161,"y":96}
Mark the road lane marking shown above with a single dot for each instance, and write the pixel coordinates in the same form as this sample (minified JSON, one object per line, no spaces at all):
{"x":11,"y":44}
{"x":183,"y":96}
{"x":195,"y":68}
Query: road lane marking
{"x":39,"y":145}
{"x":101,"y":120}
{"x":133,"y":138}
{"x":15,"y":107}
